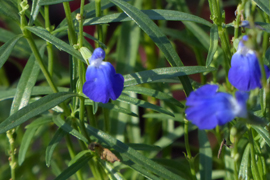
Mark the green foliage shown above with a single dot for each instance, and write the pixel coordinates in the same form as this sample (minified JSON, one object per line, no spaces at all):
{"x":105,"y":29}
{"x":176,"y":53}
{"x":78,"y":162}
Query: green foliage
{"x":50,"y":129}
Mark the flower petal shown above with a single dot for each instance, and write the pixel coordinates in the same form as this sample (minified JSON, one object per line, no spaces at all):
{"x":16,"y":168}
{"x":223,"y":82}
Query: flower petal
{"x":245,"y":73}
{"x":102,"y":83}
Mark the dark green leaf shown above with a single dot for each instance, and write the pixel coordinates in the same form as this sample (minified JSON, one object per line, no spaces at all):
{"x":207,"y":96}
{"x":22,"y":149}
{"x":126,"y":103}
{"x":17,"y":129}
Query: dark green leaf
{"x":205,"y":156}
{"x":263,"y":133}
{"x":152,"y":30}
{"x":44,"y":34}
{"x":34,"y":109}
{"x":163,"y":73}
{"x":34,"y":11}
{"x":78,"y":156}
{"x":26,"y":140}
{"x":73,"y":168}
{"x":154,"y":14}
{"x":38,"y":90}
{"x":51,"y":2}
{"x":154,"y":93}
{"x":144,"y":104}
{"x":67,"y":128}
{"x":39,"y":122}
{"x":27,"y":81}
{"x":9,"y":11}
{"x":213,"y":44}
{"x":264,"y":5}
{"x":143,"y":147}
{"x":6,"y":49}
{"x":130,"y":154}
{"x":112,"y":107}
{"x":58,"y":136}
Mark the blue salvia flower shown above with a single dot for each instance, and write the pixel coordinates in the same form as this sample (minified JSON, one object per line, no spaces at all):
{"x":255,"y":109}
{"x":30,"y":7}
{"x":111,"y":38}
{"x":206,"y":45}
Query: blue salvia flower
{"x":208,"y":108}
{"x":245,"y":73}
{"x":102,"y":82}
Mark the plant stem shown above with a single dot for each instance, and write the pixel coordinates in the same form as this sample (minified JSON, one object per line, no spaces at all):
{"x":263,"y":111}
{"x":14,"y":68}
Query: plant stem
{"x":12,"y":152}
{"x":189,"y":157}
{"x":98,"y":14}
{"x":49,"y":45}
{"x":71,"y":28}
{"x":252,"y":151}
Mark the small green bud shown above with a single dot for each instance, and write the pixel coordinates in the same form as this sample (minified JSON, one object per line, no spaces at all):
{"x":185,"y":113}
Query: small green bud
{"x":24,"y":4}
{"x":86,"y":53}
{"x":233,"y":131}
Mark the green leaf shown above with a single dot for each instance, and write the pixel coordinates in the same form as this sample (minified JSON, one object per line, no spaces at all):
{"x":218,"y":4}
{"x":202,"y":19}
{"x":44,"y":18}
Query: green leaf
{"x":143,"y":147}
{"x":51,"y":2}
{"x":129,"y":153}
{"x":58,"y":136}
{"x":7,"y":48}
{"x":44,"y":34}
{"x":67,"y":128}
{"x":34,"y":11}
{"x":177,"y":116}
{"x":154,"y":14}
{"x":112,"y":107}
{"x":27,"y":82}
{"x":38,"y":90}
{"x":74,"y":168}
{"x":154,"y":93}
{"x":205,"y":156}
{"x":213,"y":44}
{"x":78,"y":156}
{"x":151,"y":29}
{"x":163,"y":73}
{"x":144,"y":104}
{"x":264,"y":5}
{"x":39,"y":122}
{"x":9,"y":11}
{"x":263,"y":133}
{"x":34,"y":109}
{"x":25,"y":143}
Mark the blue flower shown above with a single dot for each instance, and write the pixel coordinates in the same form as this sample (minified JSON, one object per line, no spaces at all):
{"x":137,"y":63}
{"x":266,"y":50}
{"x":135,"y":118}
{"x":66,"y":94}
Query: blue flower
{"x":102,"y":82}
{"x":208,"y":108}
{"x":245,"y":73}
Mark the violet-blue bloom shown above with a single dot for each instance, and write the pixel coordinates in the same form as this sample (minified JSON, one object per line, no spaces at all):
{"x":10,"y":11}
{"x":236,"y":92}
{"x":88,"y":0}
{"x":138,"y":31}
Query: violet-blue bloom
{"x":208,"y":108}
{"x":102,"y":82}
{"x":245,"y":73}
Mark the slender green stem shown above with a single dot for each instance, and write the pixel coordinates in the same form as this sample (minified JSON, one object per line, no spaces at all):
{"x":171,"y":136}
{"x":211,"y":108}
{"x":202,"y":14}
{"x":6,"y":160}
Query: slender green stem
{"x":189,"y":156}
{"x":49,"y":45}
{"x":80,"y":38}
{"x":252,"y":151}
{"x":71,"y":28}
{"x":107,"y":123}
{"x":91,"y":116}
{"x":98,"y":14}
{"x":72,"y":155}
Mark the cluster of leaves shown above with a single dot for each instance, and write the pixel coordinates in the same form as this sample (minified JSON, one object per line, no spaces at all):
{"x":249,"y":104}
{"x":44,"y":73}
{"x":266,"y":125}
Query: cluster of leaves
{"x":49,"y":120}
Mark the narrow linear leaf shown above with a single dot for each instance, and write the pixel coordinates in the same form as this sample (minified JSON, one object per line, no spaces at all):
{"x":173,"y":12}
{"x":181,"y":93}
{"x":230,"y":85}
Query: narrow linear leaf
{"x":154,"y":14}
{"x":244,"y":169}
{"x":78,"y":156}
{"x":34,"y":11}
{"x":39,"y":122}
{"x":264,"y":5}
{"x":7,"y":48}
{"x":67,"y":128}
{"x":34,"y":109}
{"x":44,"y":34}
{"x":152,"y":30}
{"x":163,"y":73}
{"x":26,"y":140}
{"x":263,"y":133}
{"x":154,"y":93}
{"x":143,"y":147}
{"x":112,"y":173}
{"x":112,"y":107}
{"x":178,"y":117}
{"x":73,"y":168}
{"x":144,"y":104}
{"x":38,"y":90}
{"x":58,"y":136}
{"x":213,"y":44}
{"x":130,"y":153}
{"x":51,"y":2}
{"x":9,"y":11}
{"x":205,"y":156}
{"x":26,"y":83}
